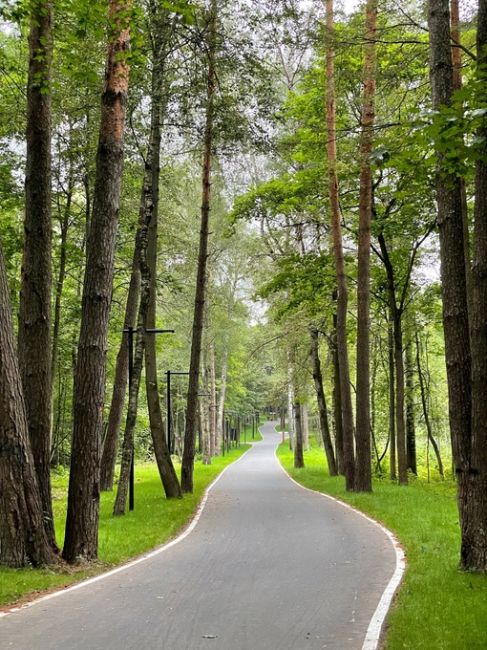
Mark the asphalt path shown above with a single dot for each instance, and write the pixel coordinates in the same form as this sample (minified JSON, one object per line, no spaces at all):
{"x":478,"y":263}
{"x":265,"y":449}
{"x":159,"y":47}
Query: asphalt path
{"x":269,"y":566}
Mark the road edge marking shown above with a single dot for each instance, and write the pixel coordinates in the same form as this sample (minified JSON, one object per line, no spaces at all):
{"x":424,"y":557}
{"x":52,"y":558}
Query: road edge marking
{"x":188,"y":529}
{"x":376,"y":625}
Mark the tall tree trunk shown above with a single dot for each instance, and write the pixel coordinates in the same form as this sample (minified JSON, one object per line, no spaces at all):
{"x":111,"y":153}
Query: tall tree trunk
{"x":162,"y":27}
{"x":452,"y":252}
{"x":363,"y":467}
{"x":128,"y":447}
{"x":337,"y":402}
{"x":342,"y":301}
{"x":187,"y":465}
{"x":410,"y":408}
{"x":396,"y":315}
{"x":400,"y":400}
{"x":212,"y":389}
{"x":305,"y":426}
{"x":23,"y":538}
{"x":81,"y":539}
{"x":34,"y":343}
{"x":204,"y":406}
{"x":64,"y":227}
{"x":474,"y":507}
{"x":110,"y":445}
{"x":221,"y":403}
{"x":321,"y":399}
{"x":392,"y":397}
{"x":298,"y":435}
{"x":290,"y":399}
{"x":424,"y":404}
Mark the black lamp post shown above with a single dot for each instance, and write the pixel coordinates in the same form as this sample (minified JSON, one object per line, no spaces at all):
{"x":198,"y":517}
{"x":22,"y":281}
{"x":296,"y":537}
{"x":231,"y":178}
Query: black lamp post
{"x":130,"y":340}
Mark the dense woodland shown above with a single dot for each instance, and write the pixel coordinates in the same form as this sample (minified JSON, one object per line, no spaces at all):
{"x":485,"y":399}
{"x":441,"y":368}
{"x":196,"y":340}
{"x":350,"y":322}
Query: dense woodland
{"x":276,"y":182}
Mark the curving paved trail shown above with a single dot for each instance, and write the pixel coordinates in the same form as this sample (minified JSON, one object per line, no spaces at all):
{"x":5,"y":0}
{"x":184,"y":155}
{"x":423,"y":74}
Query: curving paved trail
{"x":269,"y":566}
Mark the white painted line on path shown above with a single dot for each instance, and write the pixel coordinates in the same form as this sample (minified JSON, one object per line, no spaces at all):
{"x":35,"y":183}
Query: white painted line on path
{"x":147,"y":556}
{"x":376,"y":624}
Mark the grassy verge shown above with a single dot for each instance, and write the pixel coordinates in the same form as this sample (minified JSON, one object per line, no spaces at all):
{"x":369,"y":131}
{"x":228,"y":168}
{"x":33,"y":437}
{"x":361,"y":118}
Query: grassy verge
{"x":438,"y":607}
{"x":154,"y":521}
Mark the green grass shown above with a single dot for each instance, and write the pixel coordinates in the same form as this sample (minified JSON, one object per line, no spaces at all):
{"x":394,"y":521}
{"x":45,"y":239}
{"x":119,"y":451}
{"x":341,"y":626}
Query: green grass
{"x":438,"y":606}
{"x":154,"y":521}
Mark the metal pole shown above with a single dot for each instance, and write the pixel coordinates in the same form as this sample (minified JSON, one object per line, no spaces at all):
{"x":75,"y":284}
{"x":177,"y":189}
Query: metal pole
{"x":168,"y":406}
{"x":132,"y":462}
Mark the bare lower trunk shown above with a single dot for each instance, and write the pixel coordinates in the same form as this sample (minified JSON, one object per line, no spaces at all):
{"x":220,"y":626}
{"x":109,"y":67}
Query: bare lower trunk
{"x":298,"y":438}
{"x":337,"y":402}
{"x":321,"y":399}
{"x":424,"y":404}
{"x":400,"y":406}
{"x":410,"y":408}
{"x":221,"y":404}
{"x":212,"y":389}
{"x":187,"y":465}
{"x":342,"y":301}
{"x":110,"y":444}
{"x":392,"y":398}
{"x":81,"y":538}
{"x":34,"y":343}
{"x":305,"y":426}
{"x":23,"y":538}
{"x":290,"y":401}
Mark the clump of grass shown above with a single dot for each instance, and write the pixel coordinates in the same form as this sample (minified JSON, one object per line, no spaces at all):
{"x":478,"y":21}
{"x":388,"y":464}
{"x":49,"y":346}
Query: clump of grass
{"x":438,"y":607}
{"x":154,"y":521}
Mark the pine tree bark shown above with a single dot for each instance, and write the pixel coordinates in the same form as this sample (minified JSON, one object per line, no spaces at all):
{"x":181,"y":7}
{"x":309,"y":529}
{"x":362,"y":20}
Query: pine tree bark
{"x":454,"y":284}
{"x":321,"y":399}
{"x":342,"y":301}
{"x":34,"y":336}
{"x":81,"y":538}
{"x":187,"y":465}
{"x":474,"y":506}
{"x":23,"y":538}
{"x":110,"y":445}
{"x":363,"y":466}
